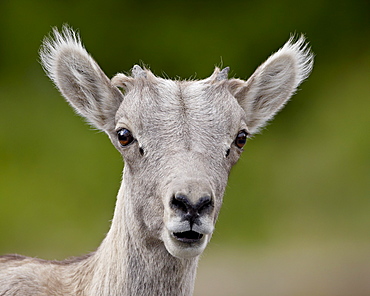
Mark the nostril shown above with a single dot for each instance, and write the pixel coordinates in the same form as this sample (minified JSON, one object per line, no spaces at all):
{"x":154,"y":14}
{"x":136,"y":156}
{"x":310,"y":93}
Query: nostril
{"x":180,"y":202}
{"x":204,"y":203}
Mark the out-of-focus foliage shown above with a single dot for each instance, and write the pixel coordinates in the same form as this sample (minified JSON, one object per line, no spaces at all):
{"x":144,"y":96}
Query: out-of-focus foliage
{"x":306,"y":178}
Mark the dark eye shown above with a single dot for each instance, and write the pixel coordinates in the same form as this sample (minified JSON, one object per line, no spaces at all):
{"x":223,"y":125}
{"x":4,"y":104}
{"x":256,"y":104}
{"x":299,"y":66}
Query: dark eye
{"x":241,"y":139}
{"x":125,"y":137}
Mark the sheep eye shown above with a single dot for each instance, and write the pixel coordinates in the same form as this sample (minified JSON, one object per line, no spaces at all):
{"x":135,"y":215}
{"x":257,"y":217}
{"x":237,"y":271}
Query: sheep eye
{"x":125,"y":137}
{"x":241,"y":139}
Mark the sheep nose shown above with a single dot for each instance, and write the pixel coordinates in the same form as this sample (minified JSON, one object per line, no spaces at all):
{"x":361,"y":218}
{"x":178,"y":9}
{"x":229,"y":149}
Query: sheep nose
{"x":191,"y":211}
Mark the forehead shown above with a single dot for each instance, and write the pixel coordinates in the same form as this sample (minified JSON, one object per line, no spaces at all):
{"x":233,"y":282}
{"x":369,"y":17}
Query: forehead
{"x":184,"y":108}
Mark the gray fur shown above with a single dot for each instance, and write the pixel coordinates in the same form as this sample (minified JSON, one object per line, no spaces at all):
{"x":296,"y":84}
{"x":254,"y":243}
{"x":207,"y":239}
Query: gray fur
{"x":184,"y":146}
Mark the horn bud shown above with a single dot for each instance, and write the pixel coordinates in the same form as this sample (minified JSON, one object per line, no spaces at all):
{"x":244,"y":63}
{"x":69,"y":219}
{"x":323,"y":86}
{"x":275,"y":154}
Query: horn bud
{"x":138,"y":72}
{"x":223,"y":74}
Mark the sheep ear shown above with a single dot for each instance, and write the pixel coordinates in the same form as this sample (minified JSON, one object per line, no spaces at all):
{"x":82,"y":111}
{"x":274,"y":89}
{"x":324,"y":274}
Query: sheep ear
{"x":273,"y":83}
{"x":80,"y":79}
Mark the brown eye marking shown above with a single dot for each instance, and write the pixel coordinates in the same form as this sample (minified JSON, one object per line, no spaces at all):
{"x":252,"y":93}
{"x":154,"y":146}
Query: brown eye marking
{"x":241,"y":139}
{"x":125,"y":137}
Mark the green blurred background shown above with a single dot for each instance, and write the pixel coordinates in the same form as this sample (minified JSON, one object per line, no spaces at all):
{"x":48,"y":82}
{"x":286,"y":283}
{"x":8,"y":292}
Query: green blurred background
{"x":296,"y":214}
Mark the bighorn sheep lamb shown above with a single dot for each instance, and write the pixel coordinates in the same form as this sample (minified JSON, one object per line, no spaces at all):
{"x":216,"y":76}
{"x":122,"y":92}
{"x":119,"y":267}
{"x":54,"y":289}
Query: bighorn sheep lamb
{"x":179,"y":140}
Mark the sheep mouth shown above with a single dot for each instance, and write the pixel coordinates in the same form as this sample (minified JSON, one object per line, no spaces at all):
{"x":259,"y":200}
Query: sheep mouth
{"x":188,"y":236}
